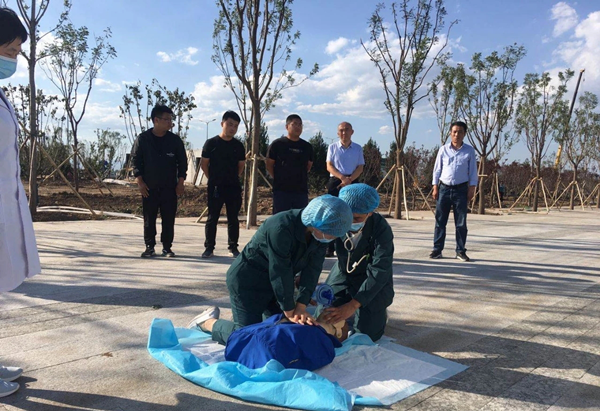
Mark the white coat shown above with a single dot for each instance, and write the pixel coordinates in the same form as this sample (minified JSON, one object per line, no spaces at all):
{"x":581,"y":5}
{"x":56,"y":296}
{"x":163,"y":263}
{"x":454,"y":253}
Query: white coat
{"x":19,"y":257}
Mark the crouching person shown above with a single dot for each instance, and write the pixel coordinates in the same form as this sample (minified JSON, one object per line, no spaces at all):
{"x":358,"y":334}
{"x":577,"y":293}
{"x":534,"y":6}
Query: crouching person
{"x":362,"y":279}
{"x":261,"y":279}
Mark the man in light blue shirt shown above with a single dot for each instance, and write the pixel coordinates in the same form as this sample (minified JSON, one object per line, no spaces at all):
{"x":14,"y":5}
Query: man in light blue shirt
{"x":345,"y":163}
{"x":454,"y":181}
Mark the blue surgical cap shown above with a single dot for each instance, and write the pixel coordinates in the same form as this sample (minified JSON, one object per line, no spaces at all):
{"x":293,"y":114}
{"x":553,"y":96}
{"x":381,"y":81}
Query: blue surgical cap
{"x":362,"y":198}
{"x":328,"y":214}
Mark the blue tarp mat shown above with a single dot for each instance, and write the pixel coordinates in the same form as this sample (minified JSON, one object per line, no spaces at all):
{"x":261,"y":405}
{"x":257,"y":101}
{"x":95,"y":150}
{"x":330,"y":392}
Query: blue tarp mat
{"x":275,"y":385}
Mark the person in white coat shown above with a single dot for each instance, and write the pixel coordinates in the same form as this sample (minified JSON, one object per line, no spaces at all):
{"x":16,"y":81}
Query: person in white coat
{"x":18,"y":251}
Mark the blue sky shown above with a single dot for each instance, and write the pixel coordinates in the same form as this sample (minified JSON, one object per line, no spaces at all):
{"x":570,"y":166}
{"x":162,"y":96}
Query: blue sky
{"x":172,"y":41}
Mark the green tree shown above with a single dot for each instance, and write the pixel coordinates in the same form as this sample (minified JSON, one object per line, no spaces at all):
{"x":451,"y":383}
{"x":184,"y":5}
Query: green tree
{"x":253,"y":41}
{"x":487,"y":101}
{"x":443,"y":100}
{"x":318,"y":176}
{"x":372,"y":173}
{"x":32,"y":12}
{"x":46,"y":120}
{"x":139,"y":100}
{"x":405,"y":52}
{"x":72,"y":66}
{"x":540,"y":116}
{"x":578,"y":142}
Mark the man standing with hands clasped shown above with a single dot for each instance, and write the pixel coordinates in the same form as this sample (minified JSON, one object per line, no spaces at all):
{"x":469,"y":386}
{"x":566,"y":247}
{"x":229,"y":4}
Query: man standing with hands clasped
{"x":223,"y":160}
{"x":159,"y":166}
{"x":345,"y":163}
{"x":454,"y":181}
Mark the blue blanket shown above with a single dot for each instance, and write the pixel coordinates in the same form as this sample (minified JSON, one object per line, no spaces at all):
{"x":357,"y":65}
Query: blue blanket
{"x":275,"y":385}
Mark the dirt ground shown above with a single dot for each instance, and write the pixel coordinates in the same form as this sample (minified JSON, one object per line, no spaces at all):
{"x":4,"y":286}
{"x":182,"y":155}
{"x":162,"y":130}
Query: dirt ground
{"x":123,"y":199}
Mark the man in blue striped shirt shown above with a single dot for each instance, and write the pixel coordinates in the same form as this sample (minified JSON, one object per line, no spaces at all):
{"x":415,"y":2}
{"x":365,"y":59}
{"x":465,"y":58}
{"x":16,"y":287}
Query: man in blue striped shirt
{"x":454,"y":181}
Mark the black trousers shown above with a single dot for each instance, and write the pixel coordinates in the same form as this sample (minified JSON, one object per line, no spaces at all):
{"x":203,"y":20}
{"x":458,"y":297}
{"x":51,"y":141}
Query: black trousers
{"x":165,"y":200}
{"x":231,"y":197}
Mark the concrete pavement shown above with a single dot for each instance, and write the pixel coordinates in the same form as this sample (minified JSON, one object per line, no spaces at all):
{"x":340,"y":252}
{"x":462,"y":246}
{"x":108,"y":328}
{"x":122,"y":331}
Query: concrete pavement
{"x":524,"y":314}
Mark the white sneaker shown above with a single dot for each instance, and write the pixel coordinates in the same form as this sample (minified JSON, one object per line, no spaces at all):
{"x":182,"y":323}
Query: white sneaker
{"x":7,"y":388}
{"x":10,"y":373}
{"x":209,"y":313}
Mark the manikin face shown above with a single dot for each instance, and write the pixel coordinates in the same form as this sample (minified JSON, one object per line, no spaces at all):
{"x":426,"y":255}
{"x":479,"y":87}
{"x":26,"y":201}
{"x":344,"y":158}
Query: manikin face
{"x":457,"y":134}
{"x":345,"y":133}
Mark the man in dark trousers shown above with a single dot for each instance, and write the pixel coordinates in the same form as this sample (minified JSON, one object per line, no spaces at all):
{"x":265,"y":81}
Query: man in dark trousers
{"x":159,"y":166}
{"x":289,"y":160}
{"x":454,"y":181}
{"x":223,"y":160}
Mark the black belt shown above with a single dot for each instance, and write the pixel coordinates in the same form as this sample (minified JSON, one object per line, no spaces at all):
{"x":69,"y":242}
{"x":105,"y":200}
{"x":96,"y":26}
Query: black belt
{"x":454,"y":186}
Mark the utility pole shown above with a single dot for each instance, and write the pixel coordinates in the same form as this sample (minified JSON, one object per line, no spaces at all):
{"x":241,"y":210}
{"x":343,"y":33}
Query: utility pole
{"x":559,"y":151}
{"x":207,"y":123}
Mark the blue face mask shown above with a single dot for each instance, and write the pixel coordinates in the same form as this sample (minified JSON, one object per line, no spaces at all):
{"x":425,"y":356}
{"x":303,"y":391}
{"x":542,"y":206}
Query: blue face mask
{"x":357,"y":226}
{"x":322,"y":240}
{"x":8,"y":67}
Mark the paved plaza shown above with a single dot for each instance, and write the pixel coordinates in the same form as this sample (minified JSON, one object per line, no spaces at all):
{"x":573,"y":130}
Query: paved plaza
{"x":524,"y":315}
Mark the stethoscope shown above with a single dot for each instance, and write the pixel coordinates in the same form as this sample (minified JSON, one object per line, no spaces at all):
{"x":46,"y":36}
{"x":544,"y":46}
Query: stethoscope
{"x":349,"y":246}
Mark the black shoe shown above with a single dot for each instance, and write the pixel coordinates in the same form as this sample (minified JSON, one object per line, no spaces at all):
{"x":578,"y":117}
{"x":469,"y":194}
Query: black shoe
{"x":207,"y":253}
{"x":233,"y":252}
{"x":167,"y":252}
{"x":328,"y":253}
{"x":435,"y":254}
{"x":149,"y":252}
{"x":462,"y":256}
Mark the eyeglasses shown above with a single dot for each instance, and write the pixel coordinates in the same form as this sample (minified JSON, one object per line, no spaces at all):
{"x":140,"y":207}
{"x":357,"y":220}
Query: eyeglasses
{"x":167,"y":119}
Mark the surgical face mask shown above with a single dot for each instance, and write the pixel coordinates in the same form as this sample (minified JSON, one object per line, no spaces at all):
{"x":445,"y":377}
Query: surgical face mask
{"x":322,"y":240}
{"x":8,"y":67}
{"x":357,"y":226}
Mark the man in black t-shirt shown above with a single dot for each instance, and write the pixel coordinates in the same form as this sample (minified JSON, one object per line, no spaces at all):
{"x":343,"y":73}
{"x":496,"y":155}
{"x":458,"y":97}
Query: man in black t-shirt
{"x":159,"y":166}
{"x":223,"y":160}
{"x":289,"y":160}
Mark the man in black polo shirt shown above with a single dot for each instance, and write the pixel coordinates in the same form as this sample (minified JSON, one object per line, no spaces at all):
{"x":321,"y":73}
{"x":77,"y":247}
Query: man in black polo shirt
{"x":289,"y":160}
{"x":223,"y":160}
{"x":159,"y":166}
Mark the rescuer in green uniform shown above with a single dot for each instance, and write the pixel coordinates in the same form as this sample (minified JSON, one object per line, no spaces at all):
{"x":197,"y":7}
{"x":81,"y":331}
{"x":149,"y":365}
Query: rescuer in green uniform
{"x":261,"y":278}
{"x":362,"y":279}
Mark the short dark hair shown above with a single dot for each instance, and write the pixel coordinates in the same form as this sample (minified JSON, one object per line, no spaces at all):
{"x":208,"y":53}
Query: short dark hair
{"x":11,"y":27}
{"x":459,"y":124}
{"x":229,"y":114}
{"x":160,"y":109}
{"x":291,"y":118}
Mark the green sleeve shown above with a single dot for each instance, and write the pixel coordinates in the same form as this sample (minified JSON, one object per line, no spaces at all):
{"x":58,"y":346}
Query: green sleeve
{"x":379,"y":270}
{"x":281,"y":273}
{"x":309,"y":276}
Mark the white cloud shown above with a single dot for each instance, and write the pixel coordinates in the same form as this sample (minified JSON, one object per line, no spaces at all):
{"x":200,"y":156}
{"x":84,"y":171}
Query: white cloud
{"x":565,"y":16}
{"x":335,"y":46}
{"x":583,"y":51}
{"x":385,"y":130}
{"x":184,"y":56}
{"x":108,"y":86}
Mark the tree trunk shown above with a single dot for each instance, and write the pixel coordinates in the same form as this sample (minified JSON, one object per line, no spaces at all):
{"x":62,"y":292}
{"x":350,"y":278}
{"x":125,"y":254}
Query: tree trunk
{"x":598,"y":200}
{"x":252,"y":203}
{"x":75,"y":163}
{"x":481,"y":209}
{"x":33,"y":129}
{"x":536,"y":187}
{"x":536,"y":190}
{"x":399,"y":187}
{"x":572,"y":199}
